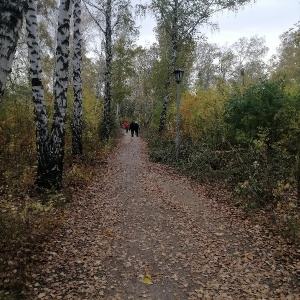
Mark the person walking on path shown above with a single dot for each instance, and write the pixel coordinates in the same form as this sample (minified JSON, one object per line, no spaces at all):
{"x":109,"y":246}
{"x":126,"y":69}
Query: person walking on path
{"x":126,"y":126}
{"x":136,"y":128}
{"x":131,"y":128}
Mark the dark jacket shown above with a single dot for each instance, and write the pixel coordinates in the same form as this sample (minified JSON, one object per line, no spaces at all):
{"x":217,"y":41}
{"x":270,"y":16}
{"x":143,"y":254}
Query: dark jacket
{"x":132,"y":126}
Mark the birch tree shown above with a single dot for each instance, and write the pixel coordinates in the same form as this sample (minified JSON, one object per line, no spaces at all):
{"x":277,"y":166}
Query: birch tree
{"x":105,"y":127}
{"x":77,"y":82}
{"x":181,"y":20}
{"x":41,"y":121}
{"x":50,"y":147}
{"x":249,"y":58}
{"x":12,"y":13}
{"x":57,"y":137}
{"x":111,"y":16}
{"x":47,"y":14}
{"x":144,"y":82}
{"x":122,"y":72}
{"x":288,"y":64}
{"x":242,"y":62}
{"x":205,"y":66}
{"x":104,"y":8}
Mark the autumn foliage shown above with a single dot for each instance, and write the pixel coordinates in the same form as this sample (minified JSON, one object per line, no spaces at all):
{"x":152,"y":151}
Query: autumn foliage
{"x":239,"y":130}
{"x":29,"y":215}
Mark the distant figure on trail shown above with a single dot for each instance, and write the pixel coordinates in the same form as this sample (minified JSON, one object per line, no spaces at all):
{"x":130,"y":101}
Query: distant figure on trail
{"x":131,"y":128}
{"x":134,"y":128}
{"x":126,"y":126}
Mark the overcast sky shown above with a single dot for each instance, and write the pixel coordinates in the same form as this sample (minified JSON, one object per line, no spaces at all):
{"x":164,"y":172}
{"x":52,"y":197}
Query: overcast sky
{"x":265,"y":18}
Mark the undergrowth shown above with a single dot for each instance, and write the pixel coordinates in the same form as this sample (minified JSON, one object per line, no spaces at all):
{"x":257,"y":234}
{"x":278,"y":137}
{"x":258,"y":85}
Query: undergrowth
{"x":29,"y":215}
{"x":261,"y":180}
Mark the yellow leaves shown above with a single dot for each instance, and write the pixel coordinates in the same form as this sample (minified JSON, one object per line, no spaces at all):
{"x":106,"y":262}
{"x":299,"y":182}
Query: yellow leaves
{"x":292,"y":205}
{"x":281,"y":189}
{"x":248,"y":256}
{"x":278,"y":206}
{"x":286,"y":206}
{"x":147,"y":279}
{"x":201,"y":112}
{"x":34,"y":208}
{"x":78,"y":174}
{"x":41,"y":208}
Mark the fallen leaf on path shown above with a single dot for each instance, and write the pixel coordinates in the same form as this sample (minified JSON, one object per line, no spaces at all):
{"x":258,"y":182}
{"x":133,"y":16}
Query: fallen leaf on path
{"x":147,"y":279}
{"x":219,"y":233}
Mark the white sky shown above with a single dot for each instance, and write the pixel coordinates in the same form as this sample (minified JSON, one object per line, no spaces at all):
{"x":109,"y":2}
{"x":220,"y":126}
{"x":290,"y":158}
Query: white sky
{"x":265,"y":18}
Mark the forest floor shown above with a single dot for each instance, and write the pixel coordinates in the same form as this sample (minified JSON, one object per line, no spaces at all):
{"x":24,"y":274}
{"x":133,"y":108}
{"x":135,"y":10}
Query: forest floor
{"x":142,"y":231}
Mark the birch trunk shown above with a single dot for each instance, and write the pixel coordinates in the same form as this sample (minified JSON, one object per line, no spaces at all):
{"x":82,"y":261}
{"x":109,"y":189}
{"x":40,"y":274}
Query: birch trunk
{"x":57,"y":137}
{"x":174,"y":35}
{"x":77,"y":67}
{"x":41,"y":121}
{"x":105,"y":128}
{"x":11,"y":18}
{"x":163,"y":117}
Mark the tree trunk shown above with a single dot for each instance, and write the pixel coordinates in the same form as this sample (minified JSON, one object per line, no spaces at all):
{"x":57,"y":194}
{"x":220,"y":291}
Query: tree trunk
{"x":41,"y":121}
{"x":57,"y":137}
{"x":11,"y":18}
{"x":298,"y":176}
{"x":163,"y":117}
{"x":77,"y":82}
{"x":105,"y":128}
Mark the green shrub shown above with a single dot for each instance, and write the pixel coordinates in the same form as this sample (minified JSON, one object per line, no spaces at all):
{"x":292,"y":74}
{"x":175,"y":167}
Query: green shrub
{"x":254,"y":110}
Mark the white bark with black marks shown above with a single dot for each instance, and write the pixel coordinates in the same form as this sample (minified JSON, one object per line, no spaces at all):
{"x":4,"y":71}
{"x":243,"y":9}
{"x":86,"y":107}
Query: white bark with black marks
{"x":57,"y":138}
{"x":105,"y":127}
{"x":172,"y":64}
{"x":11,"y":18}
{"x":41,"y":121}
{"x":77,"y":81}
{"x":112,"y":17}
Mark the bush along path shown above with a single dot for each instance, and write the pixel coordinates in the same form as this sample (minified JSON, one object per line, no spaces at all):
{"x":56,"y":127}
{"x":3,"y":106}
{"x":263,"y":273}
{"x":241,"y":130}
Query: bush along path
{"x":141,"y":231}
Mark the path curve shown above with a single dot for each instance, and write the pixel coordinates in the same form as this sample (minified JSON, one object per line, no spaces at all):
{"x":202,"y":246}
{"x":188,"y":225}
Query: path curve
{"x":141,"y":218}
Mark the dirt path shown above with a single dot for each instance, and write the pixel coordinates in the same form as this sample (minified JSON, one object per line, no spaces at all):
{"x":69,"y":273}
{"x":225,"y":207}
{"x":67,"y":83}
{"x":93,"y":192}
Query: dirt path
{"x":142,"y":218}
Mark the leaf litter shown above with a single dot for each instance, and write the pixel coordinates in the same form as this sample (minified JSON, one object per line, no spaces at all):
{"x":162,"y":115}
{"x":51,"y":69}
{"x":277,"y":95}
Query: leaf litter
{"x":142,"y":231}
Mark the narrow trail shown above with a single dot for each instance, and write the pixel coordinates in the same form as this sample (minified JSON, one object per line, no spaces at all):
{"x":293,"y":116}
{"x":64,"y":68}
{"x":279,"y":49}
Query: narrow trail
{"x":143,"y":218}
